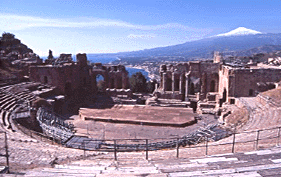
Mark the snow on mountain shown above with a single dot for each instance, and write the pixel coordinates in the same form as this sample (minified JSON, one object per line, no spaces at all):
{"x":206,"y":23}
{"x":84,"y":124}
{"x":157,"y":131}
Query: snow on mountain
{"x":240,"y":31}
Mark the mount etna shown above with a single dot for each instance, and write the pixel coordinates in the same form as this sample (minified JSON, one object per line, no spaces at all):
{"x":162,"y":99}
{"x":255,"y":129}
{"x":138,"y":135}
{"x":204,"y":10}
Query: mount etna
{"x":240,"y":41}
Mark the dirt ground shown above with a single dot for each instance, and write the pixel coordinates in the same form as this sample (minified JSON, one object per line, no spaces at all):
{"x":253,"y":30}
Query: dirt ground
{"x":105,"y":130}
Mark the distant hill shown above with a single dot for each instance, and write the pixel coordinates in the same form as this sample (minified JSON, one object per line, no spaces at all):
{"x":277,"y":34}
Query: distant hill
{"x":241,"y":42}
{"x":204,"y":48}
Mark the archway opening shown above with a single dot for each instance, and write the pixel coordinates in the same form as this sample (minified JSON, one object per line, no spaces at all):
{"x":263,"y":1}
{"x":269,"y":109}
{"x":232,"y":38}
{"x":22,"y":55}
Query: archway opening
{"x":101,"y":84}
{"x":212,"y":86}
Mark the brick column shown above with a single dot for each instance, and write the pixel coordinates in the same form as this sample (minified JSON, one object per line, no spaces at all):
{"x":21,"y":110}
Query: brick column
{"x":186,"y":87}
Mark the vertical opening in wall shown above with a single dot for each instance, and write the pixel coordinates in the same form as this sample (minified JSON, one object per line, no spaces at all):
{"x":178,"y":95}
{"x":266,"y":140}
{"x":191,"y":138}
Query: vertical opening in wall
{"x":169,"y":84}
{"x":101,"y":84}
{"x":225,"y":95}
{"x":45,"y":80}
{"x":250,"y":92}
{"x":191,"y":89}
{"x":176,"y":84}
{"x":212,"y":86}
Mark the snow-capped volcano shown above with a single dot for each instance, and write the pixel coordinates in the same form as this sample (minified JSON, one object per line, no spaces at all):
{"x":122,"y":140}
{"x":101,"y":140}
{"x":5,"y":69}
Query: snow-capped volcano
{"x":240,"y":31}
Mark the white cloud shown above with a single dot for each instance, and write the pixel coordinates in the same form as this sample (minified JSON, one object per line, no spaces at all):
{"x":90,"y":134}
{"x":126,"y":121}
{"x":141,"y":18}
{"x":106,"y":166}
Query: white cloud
{"x":135,"y":36}
{"x":17,"y":22}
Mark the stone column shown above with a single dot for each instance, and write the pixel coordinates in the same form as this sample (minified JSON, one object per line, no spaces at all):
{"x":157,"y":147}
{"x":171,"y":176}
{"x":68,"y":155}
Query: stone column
{"x":173,"y":82}
{"x":181,"y":80}
{"x":186,"y":87}
{"x":164,"y":81}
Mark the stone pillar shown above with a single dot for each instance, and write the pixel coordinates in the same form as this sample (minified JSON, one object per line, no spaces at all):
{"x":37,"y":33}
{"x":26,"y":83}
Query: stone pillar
{"x":181,"y":80}
{"x":164,"y":81}
{"x":173,"y":82}
{"x":186,"y":87}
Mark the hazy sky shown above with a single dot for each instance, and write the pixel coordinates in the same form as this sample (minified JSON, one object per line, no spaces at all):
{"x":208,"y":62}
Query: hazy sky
{"x":107,"y":26}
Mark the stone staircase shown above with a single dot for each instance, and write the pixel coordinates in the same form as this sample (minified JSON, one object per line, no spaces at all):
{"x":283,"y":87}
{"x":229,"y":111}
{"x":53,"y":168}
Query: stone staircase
{"x":11,"y":101}
{"x":265,"y":163}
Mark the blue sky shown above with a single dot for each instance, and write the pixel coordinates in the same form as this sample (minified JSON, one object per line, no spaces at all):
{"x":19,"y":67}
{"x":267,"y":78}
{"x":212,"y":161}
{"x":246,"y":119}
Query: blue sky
{"x":108,"y":26}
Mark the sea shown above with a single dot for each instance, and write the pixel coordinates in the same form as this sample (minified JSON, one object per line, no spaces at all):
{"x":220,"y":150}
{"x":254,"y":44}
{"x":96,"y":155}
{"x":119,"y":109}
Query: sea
{"x":107,"y":60}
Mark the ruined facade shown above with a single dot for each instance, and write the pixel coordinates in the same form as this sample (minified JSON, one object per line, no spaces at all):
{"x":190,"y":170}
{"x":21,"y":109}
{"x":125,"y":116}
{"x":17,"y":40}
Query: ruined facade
{"x":215,"y":80}
{"x":115,"y":76}
{"x":70,"y":77}
{"x":244,"y":82}
{"x":185,"y":79}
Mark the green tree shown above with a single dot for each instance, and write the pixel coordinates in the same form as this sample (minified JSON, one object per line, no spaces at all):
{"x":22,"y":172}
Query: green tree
{"x":137,"y":83}
{"x":101,"y":85}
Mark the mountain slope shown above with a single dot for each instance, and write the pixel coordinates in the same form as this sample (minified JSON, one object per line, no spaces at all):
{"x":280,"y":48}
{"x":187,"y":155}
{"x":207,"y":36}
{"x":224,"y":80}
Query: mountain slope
{"x":204,"y":48}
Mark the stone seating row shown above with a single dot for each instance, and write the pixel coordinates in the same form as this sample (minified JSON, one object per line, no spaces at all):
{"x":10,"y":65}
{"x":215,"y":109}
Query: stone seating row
{"x":263,"y":163}
{"x":10,"y":102}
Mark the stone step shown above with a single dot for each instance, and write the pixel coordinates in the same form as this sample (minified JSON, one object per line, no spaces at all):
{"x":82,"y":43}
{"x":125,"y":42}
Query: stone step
{"x":130,"y":170}
{"x":224,"y":171}
{"x":274,"y":172}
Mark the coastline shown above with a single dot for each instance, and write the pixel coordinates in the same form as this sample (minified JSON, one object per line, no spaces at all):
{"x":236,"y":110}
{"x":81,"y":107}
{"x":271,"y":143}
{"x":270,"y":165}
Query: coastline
{"x":145,"y":68}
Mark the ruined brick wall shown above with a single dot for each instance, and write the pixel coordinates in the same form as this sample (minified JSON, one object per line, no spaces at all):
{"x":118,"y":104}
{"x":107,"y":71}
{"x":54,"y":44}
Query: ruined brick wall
{"x":65,"y":78}
{"x":246,"y":80}
{"x":115,"y":76}
{"x":237,"y":82}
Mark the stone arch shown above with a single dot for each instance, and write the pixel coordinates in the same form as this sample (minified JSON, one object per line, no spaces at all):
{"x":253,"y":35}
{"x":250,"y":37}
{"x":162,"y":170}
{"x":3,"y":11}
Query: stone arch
{"x":100,"y":83}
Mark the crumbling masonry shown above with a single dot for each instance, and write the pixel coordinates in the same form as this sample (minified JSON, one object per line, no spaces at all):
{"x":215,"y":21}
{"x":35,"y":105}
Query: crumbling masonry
{"x":69,"y":77}
{"x":203,"y":79}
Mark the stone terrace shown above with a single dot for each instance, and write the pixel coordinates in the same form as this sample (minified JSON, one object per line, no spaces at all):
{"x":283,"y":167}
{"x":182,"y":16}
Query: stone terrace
{"x":265,"y":163}
{"x":141,"y":114}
